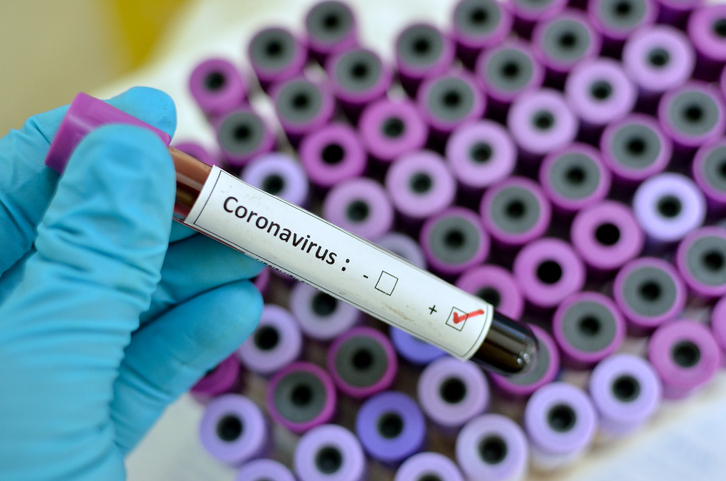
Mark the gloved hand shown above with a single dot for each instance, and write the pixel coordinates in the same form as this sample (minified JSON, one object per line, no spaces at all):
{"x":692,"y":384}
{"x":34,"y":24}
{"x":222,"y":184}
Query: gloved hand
{"x":103,"y":321}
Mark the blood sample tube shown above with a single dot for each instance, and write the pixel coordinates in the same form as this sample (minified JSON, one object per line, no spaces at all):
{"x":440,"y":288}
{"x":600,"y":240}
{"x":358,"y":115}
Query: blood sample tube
{"x":332,"y":154}
{"x":692,"y":115}
{"x":452,"y":392}
{"x":701,"y":261}
{"x":278,"y":174}
{"x":321,"y":316}
{"x":422,"y":51}
{"x":495,"y":285}
{"x":302,"y":107}
{"x":707,"y":31}
{"x":492,"y":447}
{"x":574,"y":178}
{"x":626,"y":392}
{"x":616,"y":20}
{"x":404,"y":247}
{"x":242,"y":135}
{"x":362,"y":362}
{"x":648,"y":292}
{"x":217,"y":87}
{"x":420,"y":185}
{"x":301,"y":396}
{"x":198,"y":151}
{"x":390,"y":427}
{"x":222,"y":379}
{"x":515,"y":212}
{"x":480,"y":154}
{"x":264,"y":470}
{"x":675,"y":12}
{"x":560,"y":421}
{"x":428,"y":466}
{"x":276,"y":342}
{"x":547,"y":271}
{"x":588,"y":327}
{"x":413,"y":349}
{"x":358,"y":77}
{"x":331,"y":28}
{"x":276,"y":55}
{"x":479,"y":25}
{"x":544,"y":372}
{"x":635,"y":149}
{"x":454,"y":241}
{"x":709,"y":172}
{"x":392,"y":128}
{"x":541,"y":122}
{"x":606,"y":236}
{"x":668,"y":207}
{"x":329,"y":452}
{"x":360,"y":206}
{"x":685,"y":356}
{"x":233,"y":429}
{"x":529,"y":12}
{"x":718,"y":326}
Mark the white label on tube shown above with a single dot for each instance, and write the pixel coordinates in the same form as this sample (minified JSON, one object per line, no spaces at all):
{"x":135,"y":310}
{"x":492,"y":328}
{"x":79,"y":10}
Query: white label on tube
{"x":298,"y":243}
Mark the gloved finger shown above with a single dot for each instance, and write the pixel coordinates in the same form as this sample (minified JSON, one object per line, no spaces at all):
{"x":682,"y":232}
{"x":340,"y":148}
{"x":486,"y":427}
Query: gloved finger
{"x":166,"y":357}
{"x":27,"y":185}
{"x":196,"y":265}
{"x":180,"y":232}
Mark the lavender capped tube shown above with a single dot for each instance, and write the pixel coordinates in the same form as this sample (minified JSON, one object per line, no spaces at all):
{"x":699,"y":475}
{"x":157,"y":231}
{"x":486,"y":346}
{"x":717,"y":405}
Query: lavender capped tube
{"x":529,"y":12}
{"x":224,"y":378}
{"x":626,"y":392}
{"x":564,"y":41}
{"x":685,"y":356}
{"x":321,"y":316}
{"x":362,"y":362}
{"x":616,"y":20}
{"x":331,"y":27}
{"x":360,"y":206}
{"x":707,"y":31}
{"x":262,"y":281}
{"x":492,"y":447}
{"x":709,"y":172}
{"x":198,"y":151}
{"x":217,"y":87}
{"x":392,"y":128}
{"x":427,"y":466}
{"x":264,"y":470}
{"x":276,"y":55}
{"x":649,"y":293}
{"x":560,"y":421}
{"x":404,"y":247}
{"x":692,"y":115}
{"x":276,"y":343}
{"x":588,"y":327}
{"x":675,"y":12}
{"x":606,"y":236}
{"x":301,"y":396}
{"x":722,"y":82}
{"x":454,"y":241}
{"x":302,"y":107}
{"x":332,"y":154}
{"x":495,"y":285}
{"x":327,"y":453}
{"x":414,"y":350}
{"x":718,"y":326}
{"x":479,"y":25}
{"x":358,"y":76}
{"x":574,"y":178}
{"x":390,"y":427}
{"x":422,"y":51}
{"x":452,"y":392}
{"x":243,"y":135}
{"x":701,"y":261}
{"x":278,"y":174}
{"x":233,"y":429}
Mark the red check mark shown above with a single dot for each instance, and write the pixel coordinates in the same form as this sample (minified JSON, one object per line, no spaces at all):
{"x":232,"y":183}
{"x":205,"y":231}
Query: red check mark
{"x":458,"y":318}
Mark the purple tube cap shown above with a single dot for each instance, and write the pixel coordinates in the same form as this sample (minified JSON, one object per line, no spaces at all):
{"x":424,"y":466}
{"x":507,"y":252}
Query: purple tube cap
{"x":700,"y":258}
{"x":494,"y":67}
{"x":533,"y":11}
{"x":609,"y":25}
{"x":497,"y":286}
{"x":692,"y":114}
{"x":599,"y":92}
{"x":217,"y":86}
{"x":413,"y":349}
{"x":543,"y":37}
{"x":220,"y":380}
{"x":264,"y":470}
{"x":469,"y":103}
{"x":360,"y":206}
{"x":365,"y":86}
{"x":658,"y":58}
{"x":347,"y":161}
{"x":276,"y":343}
{"x":454,"y":241}
{"x":392,"y":128}
{"x":709,"y":170}
{"x":313,"y":443}
{"x":474,"y":28}
{"x":707,"y":29}
{"x":421,"y":465}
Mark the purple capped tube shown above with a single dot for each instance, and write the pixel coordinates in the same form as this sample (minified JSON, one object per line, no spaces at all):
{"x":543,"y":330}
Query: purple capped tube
{"x":331,"y":28}
{"x":362,"y":362}
{"x":626,"y":392}
{"x":560,"y":421}
{"x":262,"y":281}
{"x":547,"y":271}
{"x":360,"y":206}
{"x":479,"y":25}
{"x":276,"y":342}
{"x":321,"y":316}
{"x":495,"y":285}
{"x":454,"y":241}
{"x":332,"y":154}
{"x":649,"y":293}
{"x":199,"y":152}
{"x":709,"y":172}
{"x":692,"y":115}
{"x":428,"y":466}
{"x":358,"y":77}
{"x":217,"y":87}
{"x":301,"y":396}
{"x":392,"y":128}
{"x":492,"y":447}
{"x":616,"y":20}
{"x":606,"y":236}
{"x":327,"y":453}
{"x":391,"y":427}
{"x":413,"y":349}
{"x":588,"y":327}
{"x":404,"y":247}
{"x":422,"y":51}
{"x":264,"y":470}
{"x":574,"y":178}
{"x":685,"y":356}
{"x":233,"y":429}
{"x":722,"y":82}
{"x":224,"y":378}
{"x":276,"y":55}
{"x":668,"y":207}
{"x":242,"y":135}
{"x":544,"y":371}
{"x":452,"y":392}
{"x":707,"y":31}
{"x":701,"y":261}
{"x":529,"y":12}
{"x":302,"y":107}
{"x":718,"y":326}
{"x":278,"y":174}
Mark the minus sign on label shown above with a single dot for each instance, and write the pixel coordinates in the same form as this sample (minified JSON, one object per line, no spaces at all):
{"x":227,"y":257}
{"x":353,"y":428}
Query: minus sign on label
{"x":365,"y":276}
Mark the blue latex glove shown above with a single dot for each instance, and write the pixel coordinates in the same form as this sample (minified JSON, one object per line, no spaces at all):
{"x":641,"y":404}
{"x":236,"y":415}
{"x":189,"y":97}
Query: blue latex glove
{"x":103,"y":321}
